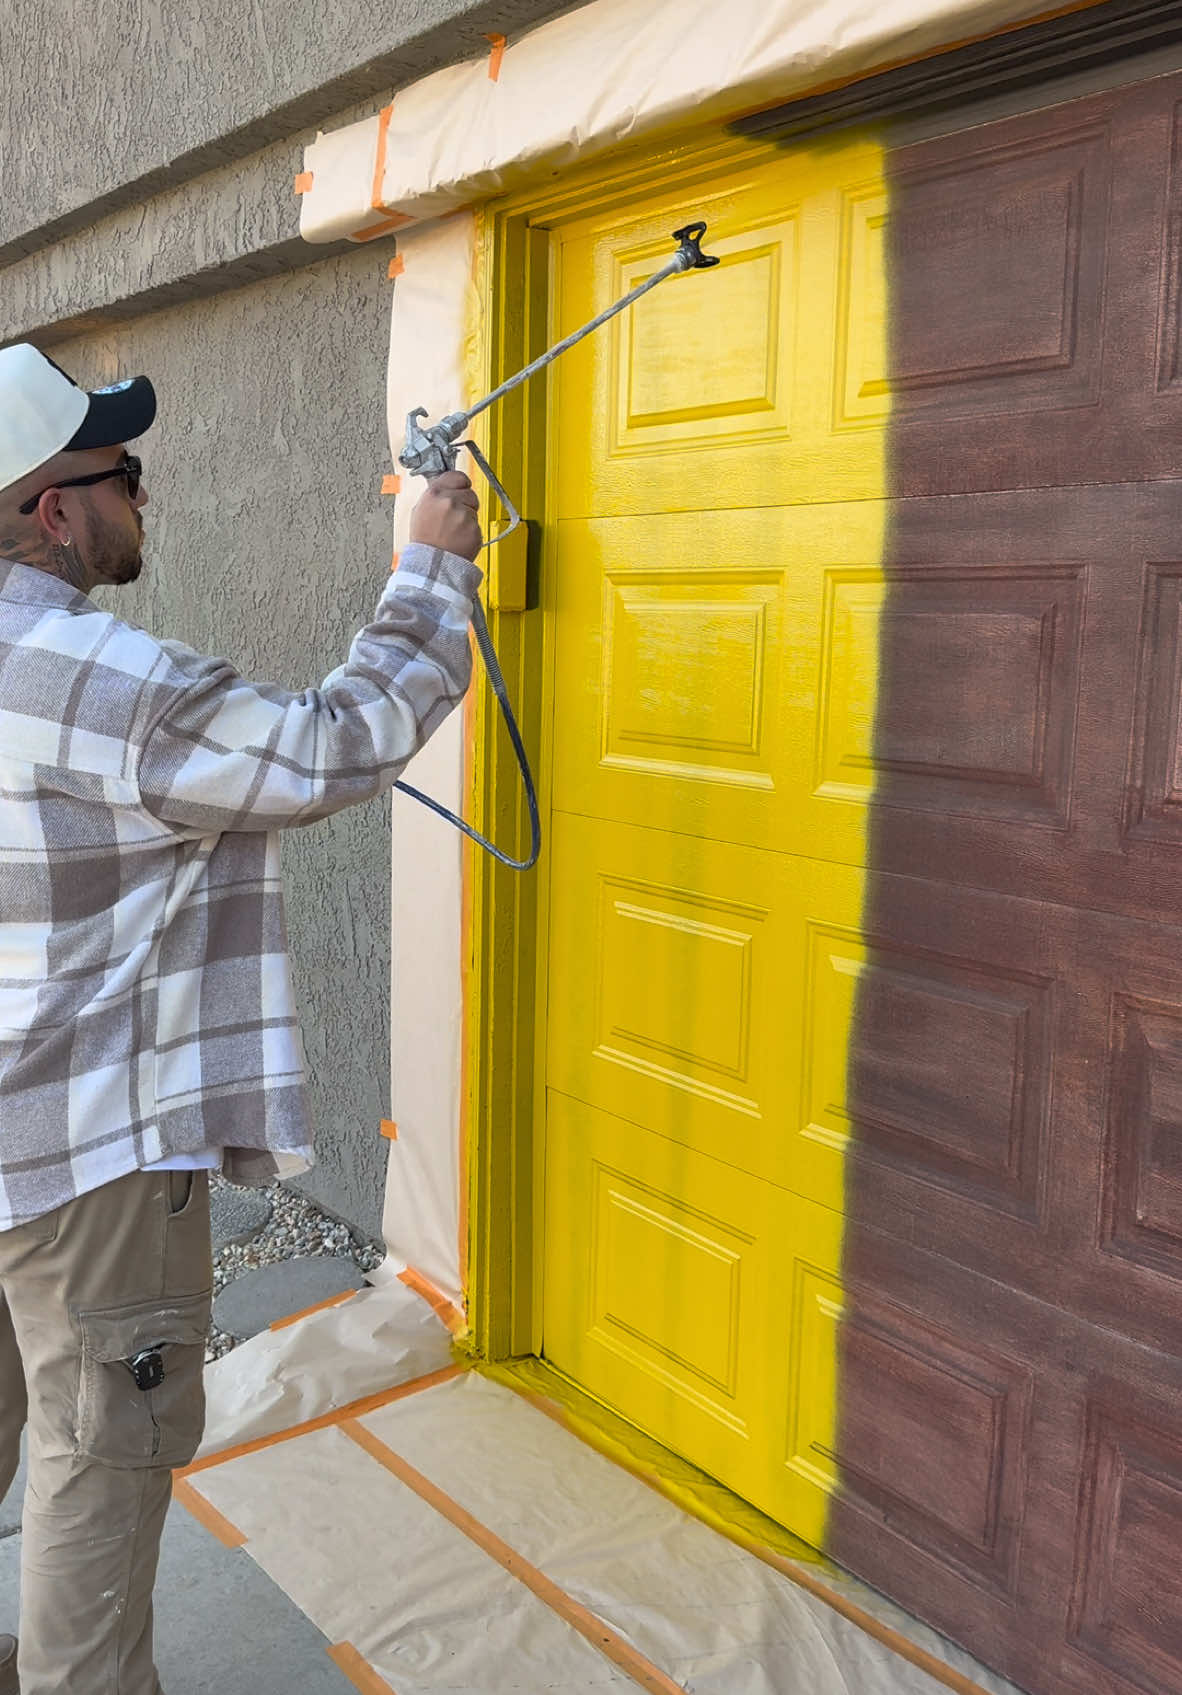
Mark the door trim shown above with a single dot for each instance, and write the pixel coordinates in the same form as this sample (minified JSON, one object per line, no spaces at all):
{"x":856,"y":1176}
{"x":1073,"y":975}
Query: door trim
{"x":1089,"y":42}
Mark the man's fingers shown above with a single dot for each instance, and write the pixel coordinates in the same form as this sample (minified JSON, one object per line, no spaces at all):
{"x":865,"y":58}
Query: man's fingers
{"x":456,"y":489}
{"x":446,"y":515}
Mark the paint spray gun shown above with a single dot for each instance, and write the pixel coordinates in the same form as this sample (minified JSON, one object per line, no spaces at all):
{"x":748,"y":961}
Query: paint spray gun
{"x":429,"y":452}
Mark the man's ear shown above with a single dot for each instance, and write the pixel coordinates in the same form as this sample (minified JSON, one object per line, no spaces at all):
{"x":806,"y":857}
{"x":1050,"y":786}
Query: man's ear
{"x":51,"y":513}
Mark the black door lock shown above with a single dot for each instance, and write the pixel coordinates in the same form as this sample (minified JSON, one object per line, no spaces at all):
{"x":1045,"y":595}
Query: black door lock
{"x":147,"y":1367}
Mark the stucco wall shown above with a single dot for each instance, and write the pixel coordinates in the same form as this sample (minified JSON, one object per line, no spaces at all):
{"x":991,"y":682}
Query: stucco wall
{"x":137,"y":95}
{"x":267,"y":543}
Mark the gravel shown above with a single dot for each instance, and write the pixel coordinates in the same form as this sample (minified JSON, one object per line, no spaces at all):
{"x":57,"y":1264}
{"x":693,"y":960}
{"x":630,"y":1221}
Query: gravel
{"x":297,"y":1228}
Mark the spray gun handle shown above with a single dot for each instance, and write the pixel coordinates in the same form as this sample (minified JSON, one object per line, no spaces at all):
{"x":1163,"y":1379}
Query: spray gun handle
{"x":429,"y":453}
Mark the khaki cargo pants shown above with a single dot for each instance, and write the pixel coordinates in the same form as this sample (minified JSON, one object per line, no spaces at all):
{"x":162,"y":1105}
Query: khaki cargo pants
{"x":82,"y":1290}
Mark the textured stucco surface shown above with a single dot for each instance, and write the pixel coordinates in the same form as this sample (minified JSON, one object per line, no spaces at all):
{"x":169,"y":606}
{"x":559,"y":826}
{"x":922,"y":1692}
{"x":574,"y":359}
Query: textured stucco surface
{"x":119,"y":99}
{"x":268,"y":543}
{"x":233,"y":225}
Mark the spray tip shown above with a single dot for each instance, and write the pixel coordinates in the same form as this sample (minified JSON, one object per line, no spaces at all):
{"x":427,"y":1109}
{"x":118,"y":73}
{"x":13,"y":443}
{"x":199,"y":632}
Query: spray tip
{"x":690,"y":252}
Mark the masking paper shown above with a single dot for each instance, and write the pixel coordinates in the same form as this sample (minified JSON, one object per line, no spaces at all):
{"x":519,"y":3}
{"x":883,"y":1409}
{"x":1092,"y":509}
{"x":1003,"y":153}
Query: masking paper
{"x":603,"y":76}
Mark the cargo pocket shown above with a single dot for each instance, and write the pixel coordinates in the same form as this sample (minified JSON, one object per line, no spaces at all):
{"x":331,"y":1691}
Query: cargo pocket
{"x":121,"y":1423}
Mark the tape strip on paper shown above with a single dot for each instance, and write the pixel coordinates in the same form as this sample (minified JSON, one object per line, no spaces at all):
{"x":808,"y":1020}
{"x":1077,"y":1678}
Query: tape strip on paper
{"x":318,"y":1306}
{"x":354,"y":1409}
{"x":631,"y":1450}
{"x":495,"y":58}
{"x":215,"y":1522}
{"x":358,"y":1670}
{"x":445,"y":1310}
{"x":601,"y":1636}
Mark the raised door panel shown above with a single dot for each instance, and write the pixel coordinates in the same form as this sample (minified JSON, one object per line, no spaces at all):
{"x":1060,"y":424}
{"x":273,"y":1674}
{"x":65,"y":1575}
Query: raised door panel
{"x":1118,"y":1191}
{"x":1143,"y":1190}
{"x":659,"y":1287}
{"x":1033,"y":298}
{"x":1063,"y":681}
{"x":932,"y":1434}
{"x":704,"y":1306}
{"x":996,"y":254}
{"x":671,"y":961}
{"x":1011,"y":1472}
{"x":1012,"y":1099}
{"x":960,"y":1430}
{"x":756,"y":382}
{"x":1125,"y":1620}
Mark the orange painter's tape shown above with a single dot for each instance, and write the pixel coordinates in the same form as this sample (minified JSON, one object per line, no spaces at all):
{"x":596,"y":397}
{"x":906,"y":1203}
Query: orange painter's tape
{"x":391,"y":483}
{"x":358,"y":1670}
{"x":318,"y":1306}
{"x":612,"y":1646}
{"x":396,"y":267}
{"x":939,"y":1670}
{"x":379,"y":158}
{"x":445,"y":1310}
{"x":303,"y":182}
{"x":215,"y":1522}
{"x":389,"y":1129}
{"x":496,"y":56}
{"x":326,"y":1421}
{"x":371,"y":232}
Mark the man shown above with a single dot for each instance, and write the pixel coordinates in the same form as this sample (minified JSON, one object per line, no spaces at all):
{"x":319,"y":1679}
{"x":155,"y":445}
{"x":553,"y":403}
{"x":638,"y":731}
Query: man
{"x":147,"y":1027}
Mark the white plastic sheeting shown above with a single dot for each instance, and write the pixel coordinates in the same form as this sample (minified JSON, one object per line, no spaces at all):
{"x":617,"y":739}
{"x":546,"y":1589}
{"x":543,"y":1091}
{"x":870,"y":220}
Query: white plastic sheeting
{"x":398,"y":1549}
{"x":613,"y":72}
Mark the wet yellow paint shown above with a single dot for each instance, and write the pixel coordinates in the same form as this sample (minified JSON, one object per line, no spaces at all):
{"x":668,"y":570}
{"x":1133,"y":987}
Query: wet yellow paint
{"x":720,"y":507}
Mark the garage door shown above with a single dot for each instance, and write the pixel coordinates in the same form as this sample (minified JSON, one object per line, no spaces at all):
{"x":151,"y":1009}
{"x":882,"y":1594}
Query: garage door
{"x":863,"y":1116}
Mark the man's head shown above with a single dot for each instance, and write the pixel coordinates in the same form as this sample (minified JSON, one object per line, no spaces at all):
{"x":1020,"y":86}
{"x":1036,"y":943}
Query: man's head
{"x":70,"y":496}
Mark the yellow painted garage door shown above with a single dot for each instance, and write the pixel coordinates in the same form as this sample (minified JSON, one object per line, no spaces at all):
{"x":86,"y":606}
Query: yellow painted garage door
{"x":715,"y":596}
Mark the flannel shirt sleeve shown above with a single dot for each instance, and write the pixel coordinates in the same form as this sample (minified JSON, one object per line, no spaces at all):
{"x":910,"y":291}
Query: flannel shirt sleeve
{"x":227,"y":754}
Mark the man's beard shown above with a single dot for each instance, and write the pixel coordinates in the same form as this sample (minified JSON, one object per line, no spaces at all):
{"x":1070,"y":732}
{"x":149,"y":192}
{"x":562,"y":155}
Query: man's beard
{"x":114,"y":556}
{"x":129,"y":569}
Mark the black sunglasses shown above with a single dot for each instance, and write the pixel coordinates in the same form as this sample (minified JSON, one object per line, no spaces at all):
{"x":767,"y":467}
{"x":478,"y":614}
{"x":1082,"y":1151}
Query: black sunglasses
{"x":129,"y":467}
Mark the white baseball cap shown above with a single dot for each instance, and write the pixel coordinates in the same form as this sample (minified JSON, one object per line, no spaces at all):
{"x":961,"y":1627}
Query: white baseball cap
{"x":43,"y":412}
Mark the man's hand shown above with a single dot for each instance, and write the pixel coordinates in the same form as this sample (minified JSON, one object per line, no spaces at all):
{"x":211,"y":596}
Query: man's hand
{"x":446,"y":516}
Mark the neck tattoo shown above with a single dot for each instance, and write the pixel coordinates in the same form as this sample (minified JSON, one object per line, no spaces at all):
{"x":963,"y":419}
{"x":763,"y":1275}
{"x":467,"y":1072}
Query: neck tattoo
{"x":21,"y":552}
{"x":66,"y":562}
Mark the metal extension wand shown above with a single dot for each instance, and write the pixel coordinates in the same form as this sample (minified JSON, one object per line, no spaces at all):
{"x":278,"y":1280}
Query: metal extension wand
{"x":431,"y":452}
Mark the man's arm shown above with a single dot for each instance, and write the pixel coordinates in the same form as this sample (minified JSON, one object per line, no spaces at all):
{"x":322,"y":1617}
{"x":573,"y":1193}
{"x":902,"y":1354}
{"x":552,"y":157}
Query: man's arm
{"x":228,"y":754}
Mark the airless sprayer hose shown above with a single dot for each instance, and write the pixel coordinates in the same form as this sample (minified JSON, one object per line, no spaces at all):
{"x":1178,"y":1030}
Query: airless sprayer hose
{"x":492,"y":666}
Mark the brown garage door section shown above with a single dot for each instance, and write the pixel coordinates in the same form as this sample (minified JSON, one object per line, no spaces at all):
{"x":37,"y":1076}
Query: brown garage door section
{"x":1011,"y":1435}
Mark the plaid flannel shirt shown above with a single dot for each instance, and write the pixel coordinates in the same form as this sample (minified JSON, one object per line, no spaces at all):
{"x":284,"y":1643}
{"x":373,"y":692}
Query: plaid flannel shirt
{"x":146,"y":1007}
